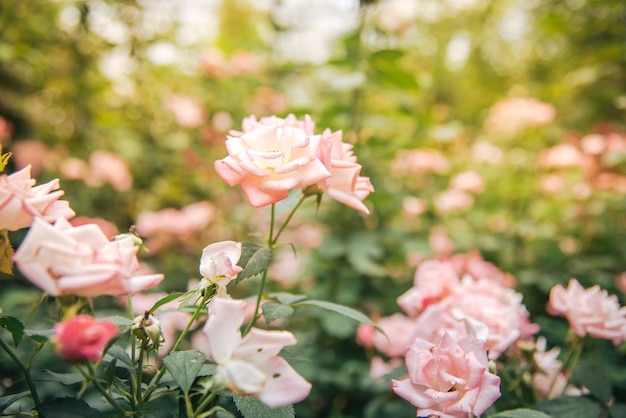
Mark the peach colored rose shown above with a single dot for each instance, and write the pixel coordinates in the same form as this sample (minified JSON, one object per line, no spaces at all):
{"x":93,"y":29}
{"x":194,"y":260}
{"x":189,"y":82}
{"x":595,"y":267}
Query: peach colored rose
{"x":450,"y":379}
{"x":560,"y":156}
{"x":514,"y":114}
{"x":345,"y":183}
{"x":61,"y":259}
{"x":83,"y":337}
{"x":453,"y":200}
{"x":589,"y":311}
{"x":272,"y":157}
{"x":468,"y":181}
{"x":20,"y":202}
{"x":414,"y":206}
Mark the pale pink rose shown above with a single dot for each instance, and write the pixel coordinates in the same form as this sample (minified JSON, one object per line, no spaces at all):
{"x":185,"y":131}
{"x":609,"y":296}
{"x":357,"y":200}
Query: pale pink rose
{"x":549,"y":380}
{"x":514,"y":114}
{"x":250,"y":123}
{"x":345,"y":183}
{"x":468,"y":181}
{"x":83,"y":337}
{"x":420,"y":161}
{"x":271,"y":158}
{"x":107,"y":167}
{"x":560,"y":156}
{"x":433,"y":281}
{"x":485,"y":301}
{"x":185,"y":221}
{"x":109,"y":229}
{"x":486,"y":152}
{"x":20,"y":202}
{"x":453,"y":200}
{"x":589,"y":311}
{"x":450,"y":379}
{"x":399,"y":334}
{"x":473,"y":264}
{"x":218,"y":264}
{"x":74,"y":169}
{"x":31,"y":152}
{"x":61,"y":259}
{"x":250,"y":364}
{"x":414,"y":206}
{"x":187,"y":112}
{"x":440,"y":241}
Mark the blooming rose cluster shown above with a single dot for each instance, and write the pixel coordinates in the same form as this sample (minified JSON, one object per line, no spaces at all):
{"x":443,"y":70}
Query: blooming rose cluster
{"x":272,"y":156}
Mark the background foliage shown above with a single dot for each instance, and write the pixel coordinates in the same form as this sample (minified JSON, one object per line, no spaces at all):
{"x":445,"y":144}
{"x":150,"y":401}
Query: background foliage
{"x":81,"y":76}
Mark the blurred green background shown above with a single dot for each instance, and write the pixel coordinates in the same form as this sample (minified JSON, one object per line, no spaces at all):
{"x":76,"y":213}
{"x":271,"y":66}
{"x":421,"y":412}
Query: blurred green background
{"x":425,"y":90}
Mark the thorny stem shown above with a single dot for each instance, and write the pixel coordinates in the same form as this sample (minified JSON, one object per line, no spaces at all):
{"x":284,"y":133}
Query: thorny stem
{"x":31,"y":386}
{"x":180,"y":339}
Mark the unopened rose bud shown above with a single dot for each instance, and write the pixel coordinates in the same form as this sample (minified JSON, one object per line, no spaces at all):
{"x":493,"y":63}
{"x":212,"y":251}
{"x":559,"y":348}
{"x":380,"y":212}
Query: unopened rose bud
{"x":147,"y":326}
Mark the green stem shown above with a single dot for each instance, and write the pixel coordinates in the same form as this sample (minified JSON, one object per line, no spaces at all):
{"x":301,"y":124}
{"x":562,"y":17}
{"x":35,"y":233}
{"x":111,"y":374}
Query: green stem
{"x":139,"y":377}
{"x":133,"y":347}
{"x":103,"y":391}
{"x":204,"y":403}
{"x":161,"y":372}
{"x":31,"y":386}
{"x":273,"y":240}
{"x":259,"y":296}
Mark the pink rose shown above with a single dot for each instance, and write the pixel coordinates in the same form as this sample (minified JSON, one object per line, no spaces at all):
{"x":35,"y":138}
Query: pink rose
{"x":187,"y":112}
{"x":399,"y":333}
{"x":345,"y":183}
{"x":589,"y":311}
{"x":560,"y":156}
{"x":250,"y":365}
{"x":62,"y":259}
{"x":453,"y":200}
{"x":468,"y":181}
{"x":450,"y":379}
{"x":108,"y":167}
{"x":83,"y":337}
{"x":251,"y":123}
{"x":218,"y":264}
{"x":514,"y":114}
{"x":270,"y":158}
{"x":20,"y":202}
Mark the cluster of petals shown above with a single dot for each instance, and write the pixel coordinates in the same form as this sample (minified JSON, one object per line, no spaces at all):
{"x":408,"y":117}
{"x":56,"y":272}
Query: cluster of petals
{"x":61,"y":259}
{"x":589,"y":311}
{"x":450,"y":379}
{"x":21,"y":203}
{"x":83,"y":337}
{"x":218,"y":264}
{"x":345,"y":183}
{"x":273,"y":155}
{"x":549,"y":379}
{"x":250,"y":364}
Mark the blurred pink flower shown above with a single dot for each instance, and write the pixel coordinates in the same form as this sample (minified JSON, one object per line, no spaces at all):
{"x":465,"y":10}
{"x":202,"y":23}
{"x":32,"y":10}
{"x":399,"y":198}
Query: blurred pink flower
{"x":514,"y":114}
{"x":549,"y":380}
{"x":560,"y":156}
{"x":380,"y":367}
{"x":399,"y":334}
{"x":414,"y":206}
{"x":450,"y":379}
{"x":81,"y":261}
{"x":250,"y":364}
{"x":486,"y":152}
{"x":6,"y":130}
{"x":189,"y":219}
{"x":20,"y":202}
{"x":433,"y":281}
{"x":345,"y":183}
{"x":440,"y":241}
{"x":245,"y":62}
{"x":589,"y":311}
{"x":620,"y":282}
{"x":83,"y":337}
{"x":453,"y":200}
{"x":473,"y":264}
{"x":419,"y":161}
{"x":218,"y":264}
{"x":187,"y":112}
{"x":265,"y":100}
{"x":271,"y":158}
{"x":74,"y":168}
{"x":552,"y":183}
{"x":108,"y":167}
{"x":468,"y":181}
{"x":32,"y":152}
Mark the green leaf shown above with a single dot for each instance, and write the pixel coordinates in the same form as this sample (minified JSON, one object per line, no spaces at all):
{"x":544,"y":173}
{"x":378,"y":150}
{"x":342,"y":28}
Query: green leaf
{"x":251,"y":407}
{"x":520,"y":413}
{"x":39,"y":335}
{"x":593,"y":379}
{"x":109,"y":372}
{"x":63,"y":378}
{"x":119,"y":353}
{"x":570,"y":407}
{"x":120,"y":321}
{"x":165,"y":300}
{"x":67,"y":408}
{"x":273,"y":311}
{"x":256,"y":260}
{"x":14,"y":326}
{"x":617,"y":410}
{"x":8,"y":400}
{"x":184,"y":367}
{"x":340,"y":309}
{"x":286,"y":298}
